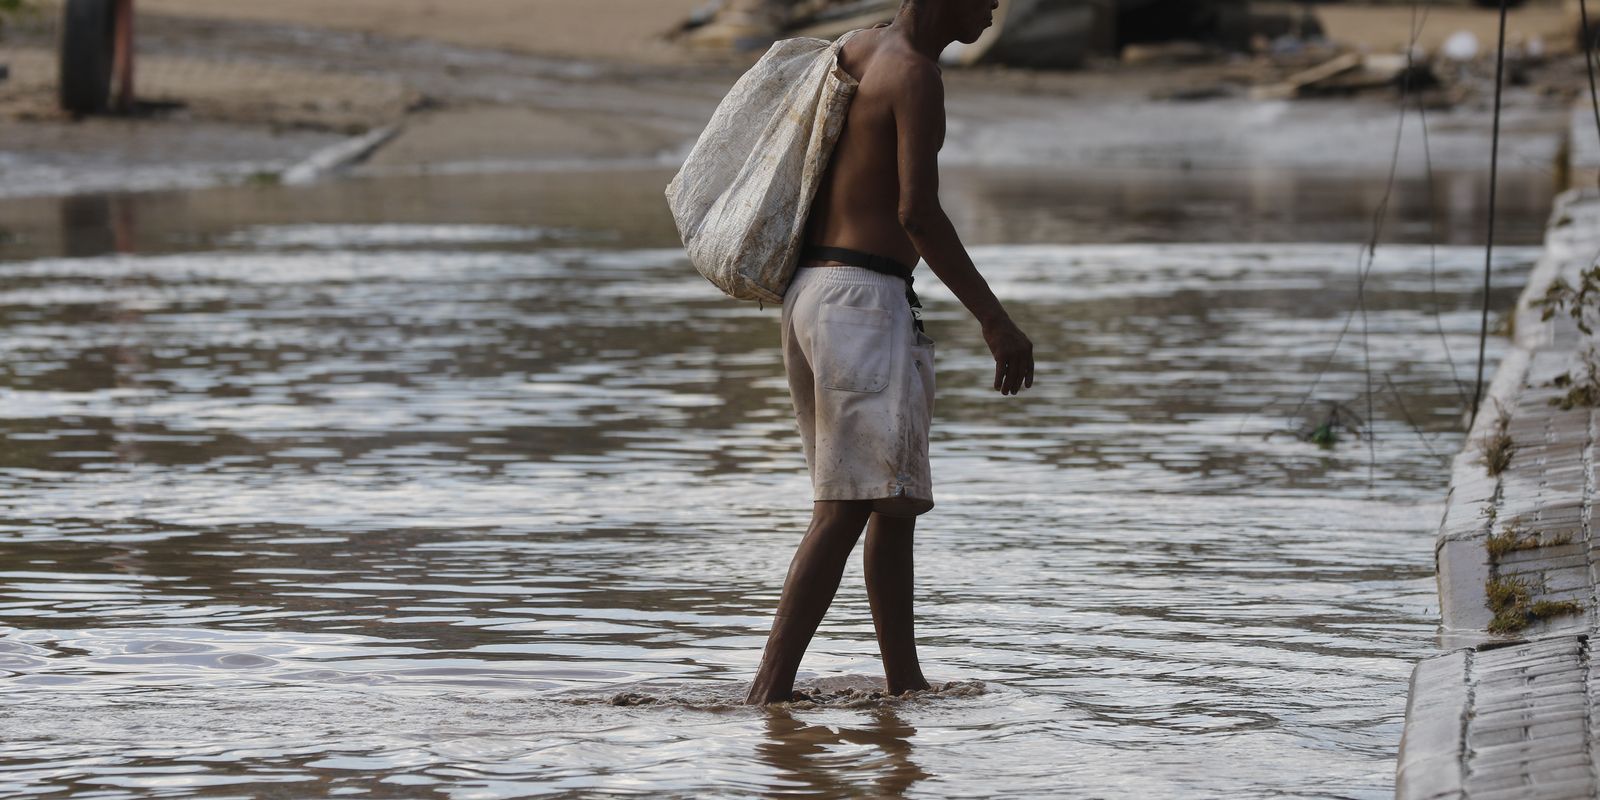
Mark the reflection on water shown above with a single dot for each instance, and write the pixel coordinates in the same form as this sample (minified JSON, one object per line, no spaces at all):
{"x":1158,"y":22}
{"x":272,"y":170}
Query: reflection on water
{"x":395,"y":507}
{"x":989,"y":206}
{"x":869,"y":758}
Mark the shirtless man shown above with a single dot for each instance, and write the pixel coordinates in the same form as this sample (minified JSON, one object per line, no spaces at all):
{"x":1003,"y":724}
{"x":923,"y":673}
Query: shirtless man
{"x":860,"y":368}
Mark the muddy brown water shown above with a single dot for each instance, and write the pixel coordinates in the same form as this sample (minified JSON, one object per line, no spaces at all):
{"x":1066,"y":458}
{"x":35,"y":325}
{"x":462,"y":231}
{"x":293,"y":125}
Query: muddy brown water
{"x":390,"y":487}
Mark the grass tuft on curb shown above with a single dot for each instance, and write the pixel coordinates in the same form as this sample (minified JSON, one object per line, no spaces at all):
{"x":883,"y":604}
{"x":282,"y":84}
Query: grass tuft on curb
{"x":1497,"y":446}
{"x":1512,"y":540}
{"x":1545,"y":609}
{"x":263,"y":178}
{"x":1582,"y":391}
{"x":1511,"y":601}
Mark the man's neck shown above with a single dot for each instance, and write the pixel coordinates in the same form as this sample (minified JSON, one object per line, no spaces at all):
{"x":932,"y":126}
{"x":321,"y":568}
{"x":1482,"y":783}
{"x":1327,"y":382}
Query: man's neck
{"x":919,"y":28}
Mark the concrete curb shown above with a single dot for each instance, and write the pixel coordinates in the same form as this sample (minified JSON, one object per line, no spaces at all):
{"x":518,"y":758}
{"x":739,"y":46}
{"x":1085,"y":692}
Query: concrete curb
{"x":1517,"y":716}
{"x":1507,"y":723}
{"x":1433,"y":748}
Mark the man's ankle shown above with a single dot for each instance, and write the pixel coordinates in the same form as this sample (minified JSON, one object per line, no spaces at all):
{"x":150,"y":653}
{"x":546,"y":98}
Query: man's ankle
{"x":910,"y":684}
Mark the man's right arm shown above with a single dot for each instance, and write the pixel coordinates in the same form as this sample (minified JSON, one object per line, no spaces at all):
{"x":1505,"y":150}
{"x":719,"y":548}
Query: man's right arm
{"x":919,"y":134}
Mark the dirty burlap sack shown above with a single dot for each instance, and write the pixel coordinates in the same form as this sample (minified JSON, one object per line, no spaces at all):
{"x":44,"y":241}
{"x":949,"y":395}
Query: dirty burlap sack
{"x":741,"y":198}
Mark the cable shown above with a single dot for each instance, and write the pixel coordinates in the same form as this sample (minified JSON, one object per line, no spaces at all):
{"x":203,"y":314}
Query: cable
{"x":1400,"y":403}
{"x":1494,"y":174}
{"x":1419,"y":17}
{"x":1594,"y":99}
{"x":1433,"y":219}
{"x":1371,"y":249}
{"x":1588,"y":58}
{"x":1433,"y":258}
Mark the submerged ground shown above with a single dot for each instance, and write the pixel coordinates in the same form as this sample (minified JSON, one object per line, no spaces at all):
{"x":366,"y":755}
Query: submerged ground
{"x":388,"y":487}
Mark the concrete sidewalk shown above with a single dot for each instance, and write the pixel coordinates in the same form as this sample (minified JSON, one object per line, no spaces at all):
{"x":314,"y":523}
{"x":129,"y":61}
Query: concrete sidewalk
{"x":1516,"y":713}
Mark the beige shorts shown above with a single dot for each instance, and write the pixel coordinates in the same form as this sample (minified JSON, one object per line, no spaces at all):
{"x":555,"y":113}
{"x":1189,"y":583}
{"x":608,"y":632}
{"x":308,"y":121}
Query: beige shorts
{"x":861,"y":376}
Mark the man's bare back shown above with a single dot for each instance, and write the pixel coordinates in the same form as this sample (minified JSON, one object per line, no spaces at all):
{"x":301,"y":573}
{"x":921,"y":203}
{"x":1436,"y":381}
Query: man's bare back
{"x":857,"y":204}
{"x":881,"y":192}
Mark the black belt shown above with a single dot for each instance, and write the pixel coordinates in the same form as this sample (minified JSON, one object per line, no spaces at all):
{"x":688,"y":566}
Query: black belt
{"x":868,"y":261}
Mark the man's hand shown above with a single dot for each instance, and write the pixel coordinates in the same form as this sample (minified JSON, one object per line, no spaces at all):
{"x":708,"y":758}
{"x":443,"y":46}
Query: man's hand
{"x":1013,"y":356}
{"x":919,"y":130}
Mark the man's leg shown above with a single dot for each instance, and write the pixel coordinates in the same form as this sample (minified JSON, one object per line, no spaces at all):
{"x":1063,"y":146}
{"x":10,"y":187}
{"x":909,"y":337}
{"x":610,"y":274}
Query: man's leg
{"x":814,"y":576}
{"x":889,"y":589}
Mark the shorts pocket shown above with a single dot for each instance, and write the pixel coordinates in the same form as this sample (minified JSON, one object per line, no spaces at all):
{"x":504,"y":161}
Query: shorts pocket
{"x":852,"y":350}
{"x":922,"y":359}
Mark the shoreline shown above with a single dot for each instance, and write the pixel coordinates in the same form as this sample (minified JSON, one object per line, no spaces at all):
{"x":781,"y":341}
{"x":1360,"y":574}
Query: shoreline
{"x":233,"y":99}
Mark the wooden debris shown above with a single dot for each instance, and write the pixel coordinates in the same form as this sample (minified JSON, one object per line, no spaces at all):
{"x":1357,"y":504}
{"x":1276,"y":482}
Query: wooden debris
{"x":1296,"y":84}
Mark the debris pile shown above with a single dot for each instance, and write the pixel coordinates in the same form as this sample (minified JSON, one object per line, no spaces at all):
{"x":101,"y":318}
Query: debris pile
{"x":1202,"y":49}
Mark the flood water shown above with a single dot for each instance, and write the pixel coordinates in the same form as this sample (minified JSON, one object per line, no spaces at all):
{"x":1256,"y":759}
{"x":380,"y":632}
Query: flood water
{"x":388,"y":487}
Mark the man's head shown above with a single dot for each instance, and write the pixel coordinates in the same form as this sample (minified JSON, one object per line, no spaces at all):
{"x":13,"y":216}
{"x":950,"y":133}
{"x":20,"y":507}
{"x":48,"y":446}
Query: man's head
{"x":961,"y":20}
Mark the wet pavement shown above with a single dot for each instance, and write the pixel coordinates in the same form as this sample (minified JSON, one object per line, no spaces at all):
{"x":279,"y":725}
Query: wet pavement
{"x":387,"y":487}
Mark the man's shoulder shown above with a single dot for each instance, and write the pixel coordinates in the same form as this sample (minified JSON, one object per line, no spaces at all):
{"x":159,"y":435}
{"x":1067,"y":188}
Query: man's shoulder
{"x":902,"y":69}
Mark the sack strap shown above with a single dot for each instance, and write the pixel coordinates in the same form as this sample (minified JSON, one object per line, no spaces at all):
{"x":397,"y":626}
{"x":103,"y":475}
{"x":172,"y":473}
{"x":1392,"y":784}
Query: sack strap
{"x":838,"y":44}
{"x":879,"y":264}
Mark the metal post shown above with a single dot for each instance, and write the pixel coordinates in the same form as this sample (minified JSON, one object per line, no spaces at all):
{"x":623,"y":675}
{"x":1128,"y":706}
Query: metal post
{"x":122,"y":61}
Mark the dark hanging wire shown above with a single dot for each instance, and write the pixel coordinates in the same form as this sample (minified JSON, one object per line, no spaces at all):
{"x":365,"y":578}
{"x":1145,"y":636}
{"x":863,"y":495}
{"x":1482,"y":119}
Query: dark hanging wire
{"x":1494,"y":171}
{"x":1419,"y":16}
{"x":1433,"y":212}
{"x":1378,"y":217}
{"x":1588,"y":58}
{"x":1362,"y":273}
{"x":1400,"y":402}
{"x":1433,"y":256}
{"x":1368,"y":254}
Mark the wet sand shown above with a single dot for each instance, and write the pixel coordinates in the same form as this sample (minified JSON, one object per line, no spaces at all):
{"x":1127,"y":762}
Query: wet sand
{"x":592,"y":30}
{"x":477,"y":96}
{"x":1388,"y":28}
{"x":631,"y":30}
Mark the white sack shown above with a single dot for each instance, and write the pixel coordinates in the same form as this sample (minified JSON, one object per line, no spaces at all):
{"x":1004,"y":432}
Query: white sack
{"x":741,"y":198}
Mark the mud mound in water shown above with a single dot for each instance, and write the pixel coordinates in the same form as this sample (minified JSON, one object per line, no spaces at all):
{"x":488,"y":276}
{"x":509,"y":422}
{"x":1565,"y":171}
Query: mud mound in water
{"x":844,"y":691}
{"x":857,"y":697}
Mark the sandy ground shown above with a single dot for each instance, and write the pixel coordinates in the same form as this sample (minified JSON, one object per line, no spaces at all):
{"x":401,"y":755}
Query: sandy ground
{"x":631,"y":30}
{"x":483,"y":85}
{"x":274,"y":95}
{"x":1388,"y":28}
{"x":618,"y":30}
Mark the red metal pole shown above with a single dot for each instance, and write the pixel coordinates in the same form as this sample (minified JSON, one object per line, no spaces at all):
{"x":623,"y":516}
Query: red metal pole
{"x":123,"y":59}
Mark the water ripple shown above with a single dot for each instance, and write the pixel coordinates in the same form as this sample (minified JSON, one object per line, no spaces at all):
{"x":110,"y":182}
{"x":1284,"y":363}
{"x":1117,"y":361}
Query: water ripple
{"x":340,"y":507}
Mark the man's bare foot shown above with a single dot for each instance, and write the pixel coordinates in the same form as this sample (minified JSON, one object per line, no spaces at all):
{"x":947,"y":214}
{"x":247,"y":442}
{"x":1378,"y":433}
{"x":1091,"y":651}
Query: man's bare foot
{"x":763,"y":693}
{"x":759,"y":699}
{"x":918,"y":685}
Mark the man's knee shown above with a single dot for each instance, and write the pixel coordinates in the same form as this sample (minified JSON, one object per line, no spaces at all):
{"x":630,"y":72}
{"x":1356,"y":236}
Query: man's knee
{"x":841,"y":514}
{"x":893,"y":525}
